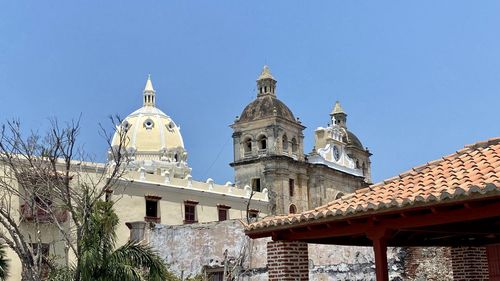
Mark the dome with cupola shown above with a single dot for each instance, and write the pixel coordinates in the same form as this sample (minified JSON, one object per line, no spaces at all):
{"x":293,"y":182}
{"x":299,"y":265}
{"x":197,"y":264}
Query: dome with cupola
{"x":151,"y":139}
{"x":266,"y":104}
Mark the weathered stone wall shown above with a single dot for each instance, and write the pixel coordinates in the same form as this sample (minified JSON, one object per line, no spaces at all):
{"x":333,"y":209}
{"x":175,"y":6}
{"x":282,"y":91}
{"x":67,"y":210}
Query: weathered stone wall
{"x":188,"y":248}
{"x":333,"y":262}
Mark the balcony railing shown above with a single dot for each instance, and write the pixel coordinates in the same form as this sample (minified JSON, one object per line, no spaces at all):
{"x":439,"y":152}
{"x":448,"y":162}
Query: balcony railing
{"x":41,"y":215}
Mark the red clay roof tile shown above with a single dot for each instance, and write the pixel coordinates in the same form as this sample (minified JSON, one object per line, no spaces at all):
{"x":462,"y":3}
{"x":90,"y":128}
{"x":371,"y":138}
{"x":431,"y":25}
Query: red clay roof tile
{"x":475,"y":169}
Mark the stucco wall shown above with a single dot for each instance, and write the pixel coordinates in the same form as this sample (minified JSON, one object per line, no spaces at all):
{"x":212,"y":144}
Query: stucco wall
{"x":188,"y":248}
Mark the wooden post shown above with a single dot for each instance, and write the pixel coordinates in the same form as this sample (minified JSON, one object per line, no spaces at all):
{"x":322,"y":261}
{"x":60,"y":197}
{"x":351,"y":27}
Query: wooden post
{"x":379,"y":238}
{"x":380,"y":249}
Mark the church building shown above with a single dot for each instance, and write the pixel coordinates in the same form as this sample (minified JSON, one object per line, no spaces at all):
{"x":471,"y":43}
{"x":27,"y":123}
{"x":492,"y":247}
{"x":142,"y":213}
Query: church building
{"x":269,"y":154}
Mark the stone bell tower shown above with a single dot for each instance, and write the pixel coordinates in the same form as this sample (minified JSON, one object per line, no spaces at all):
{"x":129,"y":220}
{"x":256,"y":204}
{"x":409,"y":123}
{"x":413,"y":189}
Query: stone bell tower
{"x":269,"y":150}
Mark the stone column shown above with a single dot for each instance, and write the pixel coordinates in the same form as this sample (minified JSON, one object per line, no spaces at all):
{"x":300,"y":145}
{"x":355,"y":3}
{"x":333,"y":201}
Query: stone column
{"x":469,"y":263}
{"x":137,"y":230}
{"x":287,"y":261}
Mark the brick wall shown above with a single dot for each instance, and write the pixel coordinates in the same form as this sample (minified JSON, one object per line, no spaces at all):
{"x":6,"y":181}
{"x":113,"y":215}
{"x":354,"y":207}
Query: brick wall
{"x":428,"y":263}
{"x":469,"y":263}
{"x":287,"y":261}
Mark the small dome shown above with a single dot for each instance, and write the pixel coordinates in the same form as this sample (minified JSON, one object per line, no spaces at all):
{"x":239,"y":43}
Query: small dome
{"x":264,"y":107}
{"x":150,"y":130}
{"x":353,"y":140}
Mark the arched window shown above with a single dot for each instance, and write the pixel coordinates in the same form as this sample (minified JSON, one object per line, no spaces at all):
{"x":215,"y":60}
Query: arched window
{"x":294,"y":145}
{"x":292,"y":209}
{"x":247,"y":145}
{"x":339,"y":195}
{"x":284,"y":143}
{"x":262,"y":142}
{"x":176,"y":157}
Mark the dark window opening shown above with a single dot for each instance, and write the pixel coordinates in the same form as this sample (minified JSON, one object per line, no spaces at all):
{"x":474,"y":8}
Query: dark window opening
{"x":339,"y":195}
{"x":253,"y":214}
{"x":284,"y":143}
{"x":190,"y":211}
{"x":222,"y":214}
{"x":176,"y":157}
{"x":292,"y":209}
{"x":291,"y":186}
{"x":247,"y":145}
{"x":262,"y":142}
{"x":294,"y":145}
{"x":151,"y":208}
{"x":256,"y":184}
{"x":152,"y":211}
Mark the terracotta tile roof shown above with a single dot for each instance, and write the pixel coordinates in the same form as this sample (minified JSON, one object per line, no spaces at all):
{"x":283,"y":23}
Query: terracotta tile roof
{"x":473,"y":171}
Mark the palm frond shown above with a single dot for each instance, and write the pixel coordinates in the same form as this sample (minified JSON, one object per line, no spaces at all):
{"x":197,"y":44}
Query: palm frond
{"x":121,"y":272}
{"x":143,"y":256}
{"x":61,"y":274}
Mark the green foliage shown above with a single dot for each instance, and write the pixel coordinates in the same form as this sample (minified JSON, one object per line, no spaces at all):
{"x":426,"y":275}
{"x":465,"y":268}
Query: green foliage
{"x":4,"y":263}
{"x":100,"y":261}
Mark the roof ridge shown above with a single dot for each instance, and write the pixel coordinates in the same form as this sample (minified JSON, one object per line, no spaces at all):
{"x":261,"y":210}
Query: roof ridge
{"x":432,"y":163}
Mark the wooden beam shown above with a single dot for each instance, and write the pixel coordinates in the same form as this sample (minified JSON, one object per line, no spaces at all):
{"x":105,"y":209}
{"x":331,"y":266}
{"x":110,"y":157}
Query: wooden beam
{"x":335,"y":228}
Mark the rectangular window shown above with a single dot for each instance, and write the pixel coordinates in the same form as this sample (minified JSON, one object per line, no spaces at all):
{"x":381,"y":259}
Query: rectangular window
{"x":190,"y":211}
{"x":152,"y":212}
{"x":222,"y":214}
{"x":256,"y":184}
{"x":291,"y":186}
{"x":151,"y":208}
{"x":223,"y":211}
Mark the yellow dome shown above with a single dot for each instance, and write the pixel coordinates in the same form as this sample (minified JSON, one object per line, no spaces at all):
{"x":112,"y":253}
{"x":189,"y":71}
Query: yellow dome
{"x":153,"y":141}
{"x":150,"y":130}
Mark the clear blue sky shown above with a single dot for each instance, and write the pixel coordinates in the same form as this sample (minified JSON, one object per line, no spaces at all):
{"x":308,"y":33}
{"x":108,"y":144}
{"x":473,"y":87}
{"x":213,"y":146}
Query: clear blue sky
{"x":418,"y":79}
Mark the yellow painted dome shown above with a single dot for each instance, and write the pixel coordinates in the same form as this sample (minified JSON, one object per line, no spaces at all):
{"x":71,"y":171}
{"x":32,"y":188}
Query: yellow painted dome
{"x":150,"y":130}
{"x":153,"y":141}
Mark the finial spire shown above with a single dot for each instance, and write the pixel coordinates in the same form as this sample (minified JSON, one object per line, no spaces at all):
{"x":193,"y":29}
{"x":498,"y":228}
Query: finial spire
{"x":337,"y":108}
{"x":149,"y":85}
{"x":149,"y":93}
{"x":266,"y":84}
{"x":266,"y":73}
